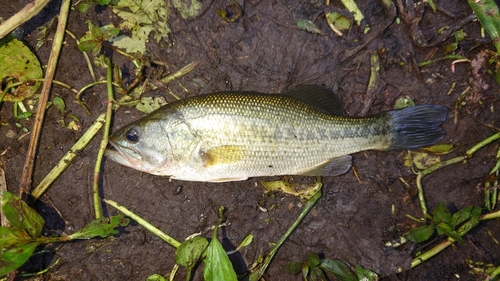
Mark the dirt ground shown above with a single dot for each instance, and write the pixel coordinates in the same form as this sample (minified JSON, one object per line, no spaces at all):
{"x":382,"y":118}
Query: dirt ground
{"x":264,"y":51}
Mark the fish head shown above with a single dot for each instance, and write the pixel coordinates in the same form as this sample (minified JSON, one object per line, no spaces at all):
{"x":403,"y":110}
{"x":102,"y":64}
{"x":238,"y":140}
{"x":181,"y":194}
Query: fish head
{"x":142,"y":146}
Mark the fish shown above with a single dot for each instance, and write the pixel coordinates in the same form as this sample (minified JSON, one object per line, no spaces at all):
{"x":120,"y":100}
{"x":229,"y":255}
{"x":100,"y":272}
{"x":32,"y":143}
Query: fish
{"x":233,"y":136}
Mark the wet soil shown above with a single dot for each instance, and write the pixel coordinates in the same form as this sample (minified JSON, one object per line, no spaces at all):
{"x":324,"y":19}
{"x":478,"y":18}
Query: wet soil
{"x":264,"y":51}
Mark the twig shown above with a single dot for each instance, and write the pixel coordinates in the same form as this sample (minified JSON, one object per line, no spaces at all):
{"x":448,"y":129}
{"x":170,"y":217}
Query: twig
{"x":25,"y":185}
{"x":181,"y":72}
{"x":70,"y":155}
{"x":29,"y":11}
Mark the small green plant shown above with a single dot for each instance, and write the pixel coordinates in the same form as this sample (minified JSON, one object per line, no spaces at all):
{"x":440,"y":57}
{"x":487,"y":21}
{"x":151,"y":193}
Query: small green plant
{"x":217,"y":263}
{"x":315,"y":268}
{"x":443,"y":222}
{"x":19,"y":241}
{"x":61,"y":106}
{"x":93,"y":40}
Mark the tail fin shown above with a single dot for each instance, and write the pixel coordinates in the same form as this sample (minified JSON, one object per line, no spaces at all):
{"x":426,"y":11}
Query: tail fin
{"x":417,"y":126}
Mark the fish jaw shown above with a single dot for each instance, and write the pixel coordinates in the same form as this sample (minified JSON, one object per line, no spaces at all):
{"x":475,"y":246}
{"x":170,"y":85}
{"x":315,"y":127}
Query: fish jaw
{"x":127,"y":157}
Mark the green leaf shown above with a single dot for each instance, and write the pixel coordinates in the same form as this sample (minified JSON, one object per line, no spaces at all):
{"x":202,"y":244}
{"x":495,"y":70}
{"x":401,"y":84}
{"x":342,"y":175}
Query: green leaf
{"x":308,"y":25}
{"x":24,"y":115}
{"x":459,"y":35}
{"x":19,"y":64}
{"x":187,"y":8}
{"x":95,"y":31}
{"x":248,"y":239}
{"x":432,"y":4}
{"x":89,"y":46}
{"x":110,"y":32}
{"x":13,"y":236}
{"x":14,"y":257}
{"x":472,"y":222}
{"x":404,"y":102}
{"x":141,"y":18}
{"x":156,"y":277}
{"x":72,"y":116}
{"x":150,"y":104}
{"x":450,"y":48}
{"x":439,"y":149}
{"x":316,"y":274}
{"x":293,"y":268}
{"x":340,"y":270}
{"x":441,"y":214}
{"x":420,"y":234}
{"x":100,"y":227}
{"x":488,"y":15}
{"x":338,"y":21}
{"x":190,"y":252}
{"x":218,"y":267}
{"x":313,"y":260}
{"x":461,"y":216}
{"x":59,"y":104}
{"x":103,"y":2}
{"x":365,"y":274}
{"x":83,"y":7}
{"x":20,"y":215}
{"x":444,"y":228}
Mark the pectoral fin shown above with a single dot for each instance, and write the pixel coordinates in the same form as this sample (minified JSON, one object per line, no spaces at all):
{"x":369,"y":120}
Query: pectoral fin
{"x":333,"y":167}
{"x":226,"y":154}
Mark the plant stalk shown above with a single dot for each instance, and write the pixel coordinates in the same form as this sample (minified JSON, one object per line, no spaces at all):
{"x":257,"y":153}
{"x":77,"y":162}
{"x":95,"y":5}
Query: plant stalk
{"x":25,"y":186}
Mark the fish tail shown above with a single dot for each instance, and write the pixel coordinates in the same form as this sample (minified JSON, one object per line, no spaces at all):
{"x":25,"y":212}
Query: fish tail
{"x":417,"y":126}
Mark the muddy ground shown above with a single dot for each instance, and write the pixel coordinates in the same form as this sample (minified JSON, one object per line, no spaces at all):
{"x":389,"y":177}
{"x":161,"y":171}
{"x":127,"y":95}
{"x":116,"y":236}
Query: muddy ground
{"x":264,"y":51}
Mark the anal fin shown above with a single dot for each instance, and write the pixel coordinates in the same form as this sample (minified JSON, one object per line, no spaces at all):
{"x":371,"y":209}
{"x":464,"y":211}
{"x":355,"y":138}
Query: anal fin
{"x":333,"y":167}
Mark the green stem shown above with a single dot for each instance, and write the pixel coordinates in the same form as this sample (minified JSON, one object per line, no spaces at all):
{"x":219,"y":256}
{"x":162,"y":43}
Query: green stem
{"x":12,"y":85}
{"x":482,"y":144}
{"x":432,"y":252}
{"x":447,"y":57}
{"x":145,"y":224}
{"x":423,"y":173}
{"x":104,"y":140}
{"x":86,"y":87}
{"x":70,"y":155}
{"x":87,"y":59}
{"x":358,"y":15}
{"x":495,"y":273}
{"x":257,"y":274}
{"x":442,"y":164}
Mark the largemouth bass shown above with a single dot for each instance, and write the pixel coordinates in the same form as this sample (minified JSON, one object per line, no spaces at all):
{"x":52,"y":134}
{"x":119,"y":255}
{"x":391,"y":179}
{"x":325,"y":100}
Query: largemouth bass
{"x":231,"y":136}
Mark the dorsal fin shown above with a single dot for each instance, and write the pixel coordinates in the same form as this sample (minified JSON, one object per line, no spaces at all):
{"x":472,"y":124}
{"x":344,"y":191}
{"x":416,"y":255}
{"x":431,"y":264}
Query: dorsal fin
{"x":319,"y":97}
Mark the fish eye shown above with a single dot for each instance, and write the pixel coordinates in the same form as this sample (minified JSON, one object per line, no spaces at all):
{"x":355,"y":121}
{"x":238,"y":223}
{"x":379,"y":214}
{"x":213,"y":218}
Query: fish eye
{"x":132,"y":136}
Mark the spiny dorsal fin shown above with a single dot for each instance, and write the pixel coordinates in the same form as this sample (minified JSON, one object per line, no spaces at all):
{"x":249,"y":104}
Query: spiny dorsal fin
{"x":333,"y":167}
{"x":319,"y":97}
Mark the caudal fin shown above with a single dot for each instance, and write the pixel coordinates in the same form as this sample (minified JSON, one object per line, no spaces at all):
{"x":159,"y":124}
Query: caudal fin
{"x":417,"y":126}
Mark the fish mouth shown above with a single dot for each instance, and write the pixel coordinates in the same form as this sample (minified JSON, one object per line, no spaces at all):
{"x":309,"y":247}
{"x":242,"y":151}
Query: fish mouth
{"x":122,"y":155}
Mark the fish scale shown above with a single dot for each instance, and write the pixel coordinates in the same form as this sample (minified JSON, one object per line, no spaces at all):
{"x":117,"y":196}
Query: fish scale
{"x":235,"y":135}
